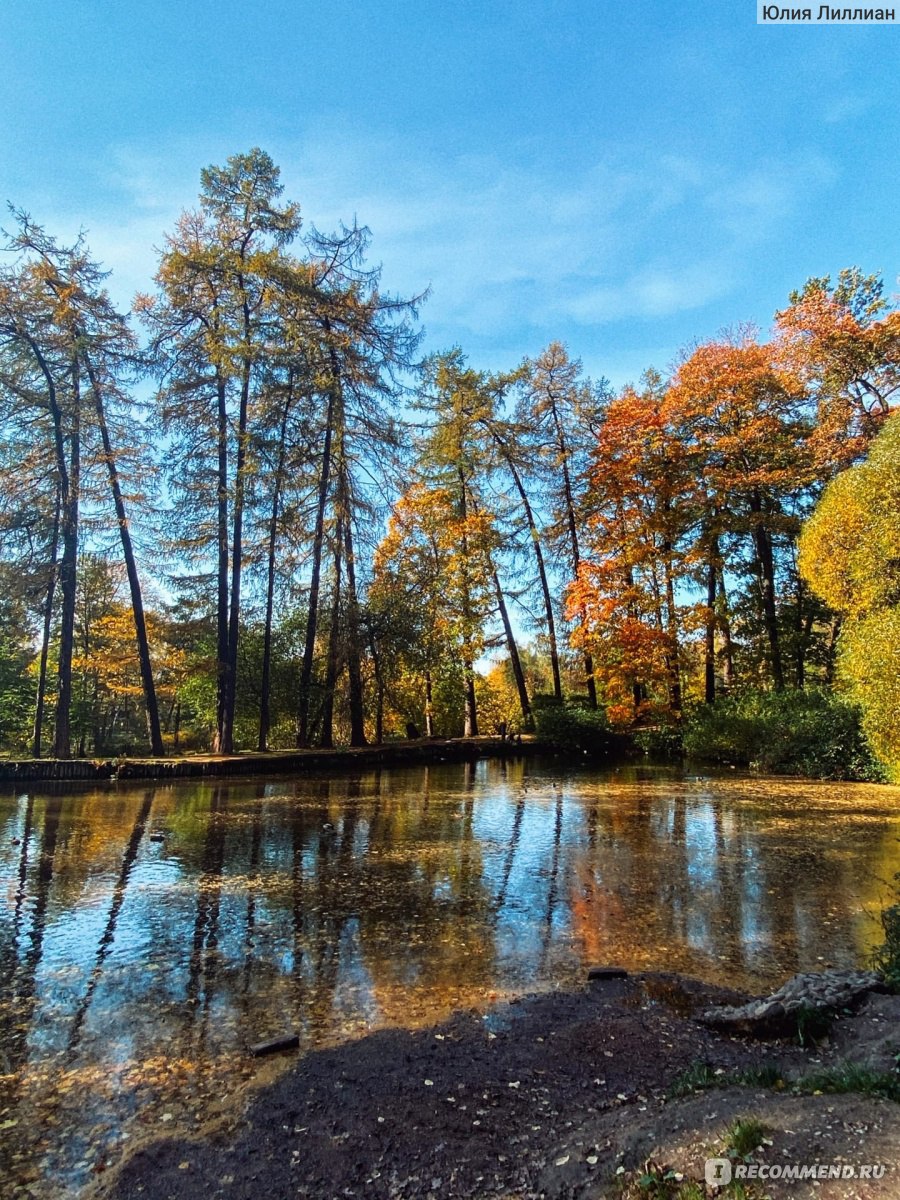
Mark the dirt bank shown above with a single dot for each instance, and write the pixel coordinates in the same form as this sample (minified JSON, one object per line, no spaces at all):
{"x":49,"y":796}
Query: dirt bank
{"x":551,"y":1096}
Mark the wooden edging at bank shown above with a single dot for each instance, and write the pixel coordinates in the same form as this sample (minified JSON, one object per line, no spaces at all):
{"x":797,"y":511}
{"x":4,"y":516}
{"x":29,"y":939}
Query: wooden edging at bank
{"x":276,"y":762}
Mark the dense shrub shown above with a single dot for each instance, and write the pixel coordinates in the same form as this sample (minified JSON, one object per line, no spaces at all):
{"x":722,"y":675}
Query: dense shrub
{"x":573,"y":729}
{"x":809,"y":732}
{"x":886,"y":957}
{"x":660,"y":741}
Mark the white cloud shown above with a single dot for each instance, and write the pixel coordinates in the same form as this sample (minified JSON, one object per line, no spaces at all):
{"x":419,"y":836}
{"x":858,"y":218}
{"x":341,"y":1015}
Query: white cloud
{"x":502,"y":245}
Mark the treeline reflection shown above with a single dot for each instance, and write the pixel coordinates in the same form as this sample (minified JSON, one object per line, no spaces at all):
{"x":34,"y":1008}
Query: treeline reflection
{"x":191,"y":920}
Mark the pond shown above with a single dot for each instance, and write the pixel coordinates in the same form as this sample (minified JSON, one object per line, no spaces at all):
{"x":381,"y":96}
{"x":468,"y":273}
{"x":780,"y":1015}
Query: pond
{"x":149,"y":936}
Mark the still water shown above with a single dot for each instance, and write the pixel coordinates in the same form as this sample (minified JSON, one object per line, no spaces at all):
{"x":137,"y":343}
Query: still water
{"x":147,"y":937}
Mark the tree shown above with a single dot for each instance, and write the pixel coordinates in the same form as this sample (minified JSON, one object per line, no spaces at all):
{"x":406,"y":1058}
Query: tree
{"x":562,"y":412}
{"x":212,"y":321}
{"x":58,"y":316}
{"x":456,"y":458}
{"x":841,"y":341}
{"x":507,"y":439}
{"x":742,"y":419}
{"x":416,"y":616}
{"x":366,"y":342}
{"x":42,"y":374}
{"x":625,"y":590}
{"x":850,"y":556}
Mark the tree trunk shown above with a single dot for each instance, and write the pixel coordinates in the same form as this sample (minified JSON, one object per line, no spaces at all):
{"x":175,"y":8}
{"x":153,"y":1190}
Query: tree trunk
{"x":265,"y":687}
{"x":576,"y":557}
{"x":765,"y":562}
{"x":379,"y":693}
{"x":331,"y":666}
{"x":222,"y":565}
{"x":429,"y":707}
{"x":672,"y":629}
{"x":68,"y":569}
{"x":354,"y":668}
{"x":518,"y":674}
{"x":725,"y":625}
{"x":309,"y":647}
{"x":539,"y":558}
{"x":470,"y":707}
{"x":470,"y":710}
{"x":134,"y":584}
{"x":709,"y":653}
{"x":36,"y":745}
{"x":234,"y":611}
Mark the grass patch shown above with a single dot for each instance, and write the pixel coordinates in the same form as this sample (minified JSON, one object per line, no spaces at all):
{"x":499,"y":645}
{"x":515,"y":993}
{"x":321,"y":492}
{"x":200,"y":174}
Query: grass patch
{"x":656,"y":1182}
{"x":700,"y":1076}
{"x":696,"y":1078}
{"x":744,"y":1136}
{"x":851,"y":1077}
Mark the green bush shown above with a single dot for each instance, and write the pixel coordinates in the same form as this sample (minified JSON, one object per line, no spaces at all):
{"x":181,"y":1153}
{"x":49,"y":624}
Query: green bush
{"x":886,"y":957}
{"x":573,"y":729}
{"x":659,"y":741}
{"x":796,"y":732}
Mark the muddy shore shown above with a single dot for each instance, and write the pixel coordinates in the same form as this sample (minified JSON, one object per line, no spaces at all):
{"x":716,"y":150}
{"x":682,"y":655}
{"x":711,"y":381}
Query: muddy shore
{"x":563,"y":1095}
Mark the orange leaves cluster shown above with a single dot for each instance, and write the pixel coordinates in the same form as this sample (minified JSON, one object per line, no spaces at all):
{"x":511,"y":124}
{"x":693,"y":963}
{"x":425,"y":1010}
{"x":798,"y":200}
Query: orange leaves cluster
{"x":729,"y":453}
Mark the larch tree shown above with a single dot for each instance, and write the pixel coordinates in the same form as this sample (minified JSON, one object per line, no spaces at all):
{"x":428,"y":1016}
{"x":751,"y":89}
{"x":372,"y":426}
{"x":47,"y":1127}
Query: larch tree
{"x":562,"y":411}
{"x":365,"y":344}
{"x":82,"y":350}
{"x":459,"y":454}
{"x":212,"y":322}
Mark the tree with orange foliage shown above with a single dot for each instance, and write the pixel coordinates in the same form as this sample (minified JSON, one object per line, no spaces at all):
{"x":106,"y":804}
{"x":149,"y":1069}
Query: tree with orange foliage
{"x":844,"y":345}
{"x":626,"y":584}
{"x":743,"y":421}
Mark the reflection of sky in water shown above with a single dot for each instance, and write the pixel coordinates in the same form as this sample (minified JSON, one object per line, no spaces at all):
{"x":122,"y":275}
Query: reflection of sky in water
{"x":332,"y":906}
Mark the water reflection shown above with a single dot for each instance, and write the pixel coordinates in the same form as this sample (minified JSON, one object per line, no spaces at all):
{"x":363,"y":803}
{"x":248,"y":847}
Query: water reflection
{"x":146,"y":937}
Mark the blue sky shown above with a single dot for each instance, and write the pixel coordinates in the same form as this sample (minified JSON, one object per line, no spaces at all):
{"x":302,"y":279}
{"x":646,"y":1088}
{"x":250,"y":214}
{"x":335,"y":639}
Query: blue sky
{"x":624,"y":176}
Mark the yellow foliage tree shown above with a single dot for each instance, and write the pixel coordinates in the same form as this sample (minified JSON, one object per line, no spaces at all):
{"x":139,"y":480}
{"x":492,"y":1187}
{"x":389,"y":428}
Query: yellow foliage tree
{"x":849,"y":554}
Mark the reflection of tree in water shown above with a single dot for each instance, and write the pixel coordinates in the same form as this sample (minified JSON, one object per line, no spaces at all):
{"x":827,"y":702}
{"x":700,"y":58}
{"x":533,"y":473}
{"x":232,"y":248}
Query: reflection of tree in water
{"x":23,"y":993}
{"x":515,"y":838}
{"x":553,"y":887}
{"x":19,"y":1006}
{"x":698,"y":879}
{"x":425,"y":908}
{"x":253,"y":883}
{"x":391,"y":897}
{"x":203,"y":962}
{"x":109,"y":932}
